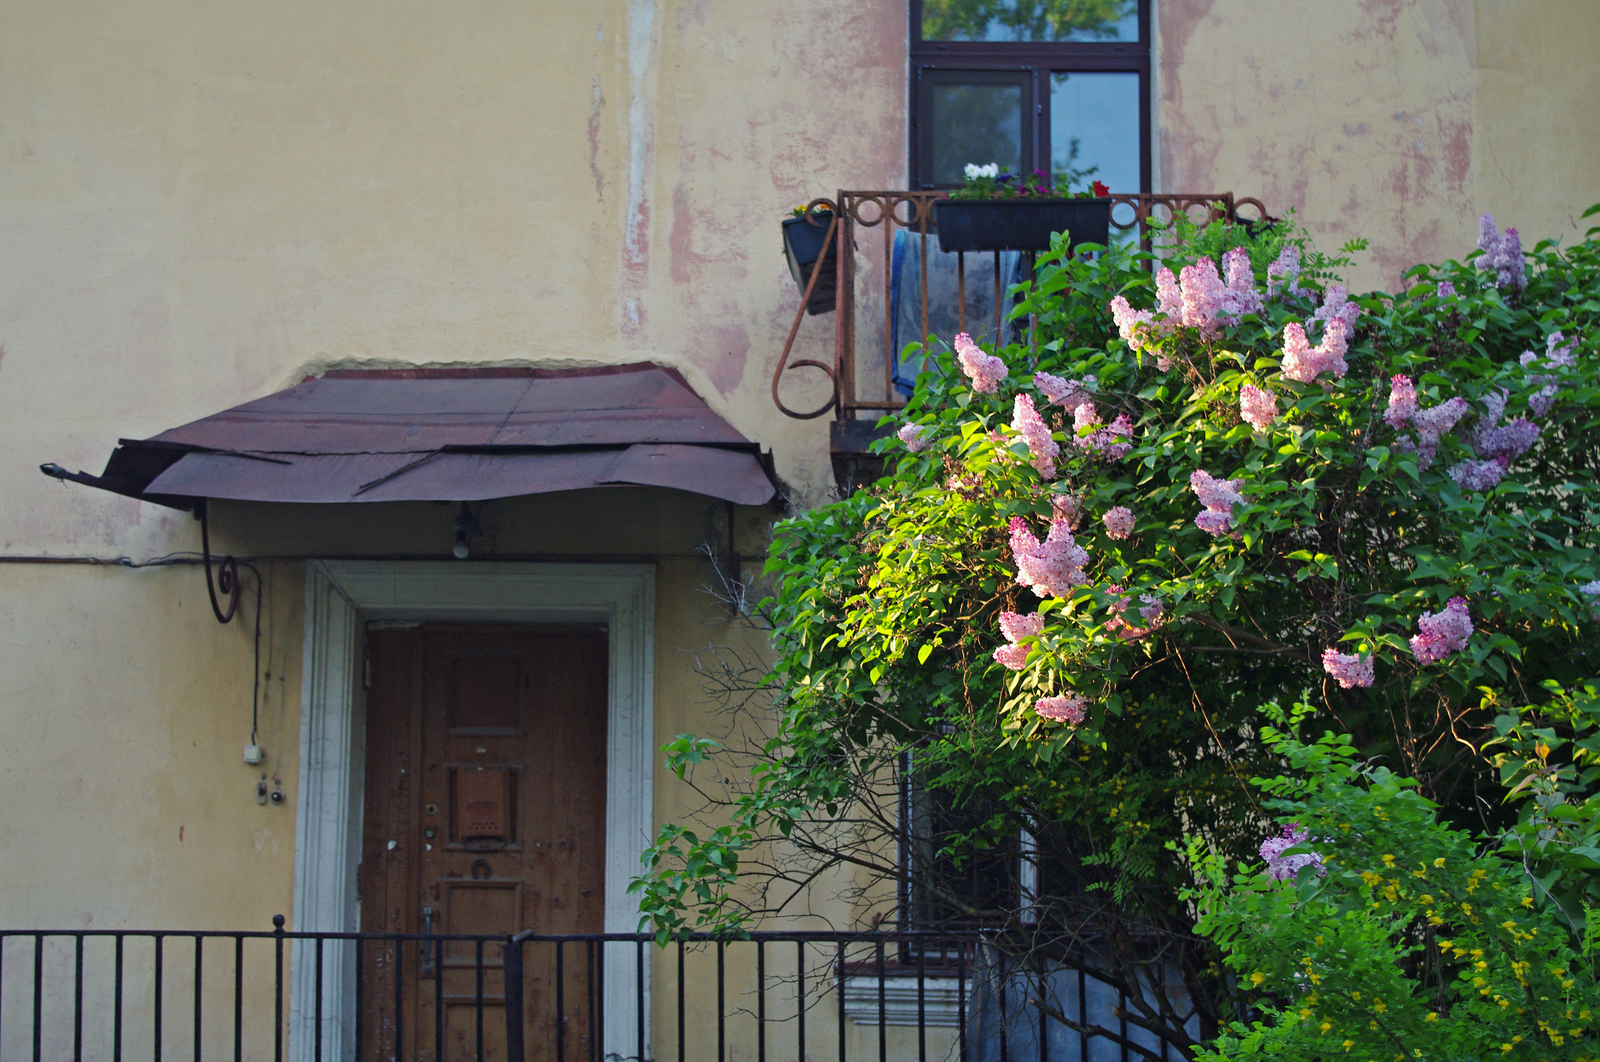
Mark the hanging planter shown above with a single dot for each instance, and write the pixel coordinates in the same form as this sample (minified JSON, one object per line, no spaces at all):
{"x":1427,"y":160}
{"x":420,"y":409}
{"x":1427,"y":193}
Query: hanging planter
{"x":806,"y":247}
{"x":1019,"y":224}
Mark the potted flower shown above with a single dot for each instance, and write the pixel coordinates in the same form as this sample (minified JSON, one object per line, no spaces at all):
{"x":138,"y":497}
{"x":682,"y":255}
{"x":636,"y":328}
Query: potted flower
{"x":807,"y":246}
{"x":998,"y":211}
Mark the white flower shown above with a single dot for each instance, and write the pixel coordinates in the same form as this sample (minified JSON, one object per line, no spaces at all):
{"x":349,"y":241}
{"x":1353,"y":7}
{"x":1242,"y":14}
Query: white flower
{"x":974,"y":171}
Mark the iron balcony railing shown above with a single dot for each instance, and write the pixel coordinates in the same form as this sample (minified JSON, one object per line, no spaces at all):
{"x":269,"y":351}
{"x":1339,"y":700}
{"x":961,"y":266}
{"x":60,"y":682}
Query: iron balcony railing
{"x":119,"y":994}
{"x":894,"y":286}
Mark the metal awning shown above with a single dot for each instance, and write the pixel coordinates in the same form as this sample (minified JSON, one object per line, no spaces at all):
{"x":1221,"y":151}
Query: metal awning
{"x":445,"y":435}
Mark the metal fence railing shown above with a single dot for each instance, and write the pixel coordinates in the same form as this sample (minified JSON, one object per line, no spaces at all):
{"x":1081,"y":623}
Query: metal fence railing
{"x":136,"y":995}
{"x":894,"y":286}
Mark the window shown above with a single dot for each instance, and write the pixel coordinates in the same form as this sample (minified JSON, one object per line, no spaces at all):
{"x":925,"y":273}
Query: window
{"x":1011,"y":869}
{"x":1061,"y":86}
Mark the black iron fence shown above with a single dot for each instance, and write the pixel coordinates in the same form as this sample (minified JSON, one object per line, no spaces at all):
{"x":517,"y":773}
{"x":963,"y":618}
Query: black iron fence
{"x":136,"y":995}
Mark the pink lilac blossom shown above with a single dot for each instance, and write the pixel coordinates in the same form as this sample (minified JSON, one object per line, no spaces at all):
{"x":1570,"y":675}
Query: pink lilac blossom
{"x":1540,"y":401}
{"x":1068,"y":394}
{"x":1089,"y":434}
{"x":985,"y":371}
{"x":1284,"y":272}
{"x":1445,"y":290}
{"x":1509,"y":265}
{"x":1119,"y":521}
{"x":1443,"y":632}
{"x":1555,"y":356}
{"x":1592,"y":590}
{"x":1558,"y":355}
{"x":1219,"y":496}
{"x":1500,"y":442}
{"x":1202,"y":295}
{"x":1068,"y":708}
{"x":1335,"y":341}
{"x":1016,"y":626}
{"x":1477,"y":475}
{"x":1348,"y":670}
{"x":1135,"y":326}
{"x":1242,"y":296}
{"x":1013,"y":657}
{"x":1036,"y":433}
{"x":1432,"y":424}
{"x":1068,"y":507}
{"x":1285,"y":868}
{"x":916,"y":438}
{"x":1503,"y":254}
{"x":1169,"y":300}
{"x":1303,"y":363}
{"x":1336,"y":303}
{"x":1402,"y":402}
{"x":1508,"y":441}
{"x":1052,"y":567}
{"x":1117,"y":606}
{"x":1153,"y":609}
{"x":1488,"y":240}
{"x":1258,"y":408}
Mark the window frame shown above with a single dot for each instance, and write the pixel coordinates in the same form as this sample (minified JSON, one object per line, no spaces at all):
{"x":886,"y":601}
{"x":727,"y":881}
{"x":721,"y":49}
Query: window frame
{"x":1043,"y":58}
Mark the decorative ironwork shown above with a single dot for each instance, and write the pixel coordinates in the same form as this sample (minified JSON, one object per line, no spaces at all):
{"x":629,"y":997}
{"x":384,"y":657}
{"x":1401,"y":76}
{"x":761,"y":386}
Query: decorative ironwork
{"x":227,"y":569}
{"x":857,"y":212}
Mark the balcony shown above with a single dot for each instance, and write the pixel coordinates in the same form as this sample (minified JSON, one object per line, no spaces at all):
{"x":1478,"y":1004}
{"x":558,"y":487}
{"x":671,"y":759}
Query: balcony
{"x":896,"y":287}
{"x":309,"y":997}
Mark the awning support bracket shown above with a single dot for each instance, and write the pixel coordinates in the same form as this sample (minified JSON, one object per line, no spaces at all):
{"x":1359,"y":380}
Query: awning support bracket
{"x":227,"y":569}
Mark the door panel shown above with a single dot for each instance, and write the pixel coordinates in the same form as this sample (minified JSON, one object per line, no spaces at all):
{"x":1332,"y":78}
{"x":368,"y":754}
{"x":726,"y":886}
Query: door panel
{"x":485,"y":814}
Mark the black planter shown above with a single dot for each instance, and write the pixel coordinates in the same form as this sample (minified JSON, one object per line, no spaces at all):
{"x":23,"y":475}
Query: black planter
{"x":804,"y":245}
{"x":1019,"y":224}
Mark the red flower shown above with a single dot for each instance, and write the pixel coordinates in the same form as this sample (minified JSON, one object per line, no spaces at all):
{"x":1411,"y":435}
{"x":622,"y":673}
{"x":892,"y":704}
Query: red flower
{"x":1101,"y":190}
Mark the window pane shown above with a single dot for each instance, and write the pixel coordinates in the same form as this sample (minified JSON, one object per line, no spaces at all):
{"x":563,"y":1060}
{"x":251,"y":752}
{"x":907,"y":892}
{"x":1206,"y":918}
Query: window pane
{"x":1030,"y":20}
{"x":973,"y":123}
{"x":1094,"y":123}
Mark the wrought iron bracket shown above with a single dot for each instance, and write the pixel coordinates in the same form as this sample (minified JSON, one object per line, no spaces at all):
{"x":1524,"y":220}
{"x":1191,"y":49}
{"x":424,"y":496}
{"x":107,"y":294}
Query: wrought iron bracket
{"x":227,"y":580}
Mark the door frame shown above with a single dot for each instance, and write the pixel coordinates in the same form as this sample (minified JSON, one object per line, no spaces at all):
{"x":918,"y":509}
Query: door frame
{"x":341,"y":597}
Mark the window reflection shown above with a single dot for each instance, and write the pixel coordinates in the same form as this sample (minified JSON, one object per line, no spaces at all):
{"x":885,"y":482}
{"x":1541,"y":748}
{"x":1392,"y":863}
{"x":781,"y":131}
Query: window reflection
{"x":1094,"y":124}
{"x":1030,"y":20}
{"x":974,"y":123}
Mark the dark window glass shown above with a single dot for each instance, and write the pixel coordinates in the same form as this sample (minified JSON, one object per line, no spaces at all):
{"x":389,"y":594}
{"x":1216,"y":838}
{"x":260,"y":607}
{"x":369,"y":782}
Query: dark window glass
{"x":1024,"y":83}
{"x":1003,"y":21}
{"x":1094,"y":123}
{"x":973,"y":123}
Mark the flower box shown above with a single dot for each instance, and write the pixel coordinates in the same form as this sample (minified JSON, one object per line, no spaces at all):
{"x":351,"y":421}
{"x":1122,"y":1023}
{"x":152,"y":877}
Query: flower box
{"x":1022,"y":224}
{"x":804,"y":245}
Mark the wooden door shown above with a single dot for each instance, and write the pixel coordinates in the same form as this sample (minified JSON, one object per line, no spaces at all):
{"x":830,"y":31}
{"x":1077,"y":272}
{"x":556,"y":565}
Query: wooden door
{"x":484,"y":814}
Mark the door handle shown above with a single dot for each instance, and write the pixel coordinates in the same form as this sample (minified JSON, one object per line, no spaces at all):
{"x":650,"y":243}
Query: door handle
{"x":430,"y":948}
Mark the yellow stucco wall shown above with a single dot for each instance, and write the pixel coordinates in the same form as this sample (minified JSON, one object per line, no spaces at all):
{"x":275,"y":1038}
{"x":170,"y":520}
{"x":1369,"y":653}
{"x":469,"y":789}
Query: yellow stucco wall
{"x":1397,"y":120}
{"x":203,"y":202}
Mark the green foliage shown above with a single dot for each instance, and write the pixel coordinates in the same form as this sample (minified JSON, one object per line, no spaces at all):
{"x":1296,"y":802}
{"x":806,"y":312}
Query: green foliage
{"x":1414,"y":941}
{"x":886,"y":613}
{"x":1550,"y":766}
{"x":1021,"y":20}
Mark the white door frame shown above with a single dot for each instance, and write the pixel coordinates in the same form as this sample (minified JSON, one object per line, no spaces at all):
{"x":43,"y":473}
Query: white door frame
{"x":341,"y":597}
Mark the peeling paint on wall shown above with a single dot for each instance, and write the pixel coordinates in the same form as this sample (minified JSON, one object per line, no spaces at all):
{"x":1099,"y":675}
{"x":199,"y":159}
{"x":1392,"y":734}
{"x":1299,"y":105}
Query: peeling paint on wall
{"x":641,"y":134}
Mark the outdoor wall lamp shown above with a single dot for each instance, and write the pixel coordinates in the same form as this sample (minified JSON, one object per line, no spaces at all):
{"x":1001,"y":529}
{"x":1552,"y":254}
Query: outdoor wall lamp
{"x":466,"y":524}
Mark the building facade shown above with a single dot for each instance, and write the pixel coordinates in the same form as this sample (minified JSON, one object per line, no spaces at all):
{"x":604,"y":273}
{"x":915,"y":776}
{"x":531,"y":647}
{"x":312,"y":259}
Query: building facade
{"x":210,"y":204}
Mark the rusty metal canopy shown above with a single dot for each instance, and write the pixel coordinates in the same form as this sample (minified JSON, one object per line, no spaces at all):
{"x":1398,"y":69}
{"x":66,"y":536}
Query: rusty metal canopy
{"x":446,"y":435}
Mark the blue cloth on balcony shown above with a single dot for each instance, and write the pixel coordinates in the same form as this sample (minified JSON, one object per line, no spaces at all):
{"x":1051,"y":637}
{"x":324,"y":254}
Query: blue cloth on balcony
{"x":944,"y":318}
{"x":1004,"y":1019}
